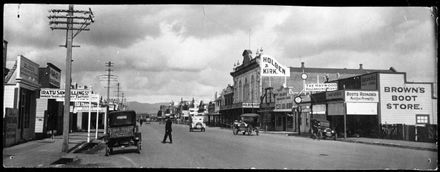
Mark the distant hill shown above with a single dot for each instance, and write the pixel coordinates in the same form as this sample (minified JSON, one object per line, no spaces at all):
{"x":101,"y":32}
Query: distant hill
{"x":145,"y":107}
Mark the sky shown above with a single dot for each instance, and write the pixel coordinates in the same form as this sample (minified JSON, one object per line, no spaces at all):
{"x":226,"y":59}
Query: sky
{"x":163,"y":53}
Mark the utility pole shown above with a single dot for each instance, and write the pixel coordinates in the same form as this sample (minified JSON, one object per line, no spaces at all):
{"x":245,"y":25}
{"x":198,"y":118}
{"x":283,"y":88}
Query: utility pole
{"x":85,"y":20}
{"x":118,"y":93}
{"x":109,"y":70}
{"x":122,"y":100}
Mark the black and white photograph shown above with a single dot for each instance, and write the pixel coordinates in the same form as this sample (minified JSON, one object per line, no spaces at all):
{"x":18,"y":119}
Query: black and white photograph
{"x":220,"y":86}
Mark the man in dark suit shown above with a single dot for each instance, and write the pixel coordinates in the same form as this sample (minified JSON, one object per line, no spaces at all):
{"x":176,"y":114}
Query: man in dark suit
{"x":168,"y":130}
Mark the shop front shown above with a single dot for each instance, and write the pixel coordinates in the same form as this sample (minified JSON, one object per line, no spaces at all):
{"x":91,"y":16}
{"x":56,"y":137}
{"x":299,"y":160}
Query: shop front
{"x":283,"y":116}
{"x":21,"y":91}
{"x":354,"y":110}
{"x":49,"y":111}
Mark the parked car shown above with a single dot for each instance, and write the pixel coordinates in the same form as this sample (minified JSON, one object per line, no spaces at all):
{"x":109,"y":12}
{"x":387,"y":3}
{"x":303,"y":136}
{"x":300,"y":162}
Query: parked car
{"x":324,"y":130}
{"x":196,"y":122}
{"x":247,"y":125}
{"x":122,"y":131}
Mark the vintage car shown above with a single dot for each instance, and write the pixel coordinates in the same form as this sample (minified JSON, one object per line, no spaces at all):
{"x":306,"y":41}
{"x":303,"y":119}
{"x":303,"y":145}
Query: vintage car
{"x":196,"y":122}
{"x":122,"y":131}
{"x":324,"y":130}
{"x":247,"y":125}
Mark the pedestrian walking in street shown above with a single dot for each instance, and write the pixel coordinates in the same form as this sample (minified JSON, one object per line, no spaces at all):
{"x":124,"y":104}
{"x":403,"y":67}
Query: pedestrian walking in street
{"x":141,"y":121}
{"x":168,"y":130}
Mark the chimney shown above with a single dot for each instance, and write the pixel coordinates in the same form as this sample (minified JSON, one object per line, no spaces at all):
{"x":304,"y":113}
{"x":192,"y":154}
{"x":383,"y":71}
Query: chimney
{"x":360,"y":66}
{"x":302,"y":64}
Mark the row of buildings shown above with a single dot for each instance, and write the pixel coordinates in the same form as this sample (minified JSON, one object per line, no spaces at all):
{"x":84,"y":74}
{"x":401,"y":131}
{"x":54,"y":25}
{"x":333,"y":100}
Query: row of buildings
{"x":372,"y":102}
{"x":27,"y":115}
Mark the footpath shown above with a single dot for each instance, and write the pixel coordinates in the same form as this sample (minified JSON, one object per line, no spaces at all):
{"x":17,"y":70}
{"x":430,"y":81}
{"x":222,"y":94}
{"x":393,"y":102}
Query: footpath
{"x":373,"y":141}
{"x":46,"y":153}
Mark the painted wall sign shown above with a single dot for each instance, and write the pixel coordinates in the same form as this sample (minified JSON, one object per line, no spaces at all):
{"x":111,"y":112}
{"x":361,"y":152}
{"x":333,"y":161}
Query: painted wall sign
{"x":400,"y":101}
{"x":54,"y":77}
{"x":319,"y":87}
{"x":369,"y":82}
{"x":27,"y":70}
{"x":271,"y":67}
{"x":362,"y":96}
{"x":283,"y":98}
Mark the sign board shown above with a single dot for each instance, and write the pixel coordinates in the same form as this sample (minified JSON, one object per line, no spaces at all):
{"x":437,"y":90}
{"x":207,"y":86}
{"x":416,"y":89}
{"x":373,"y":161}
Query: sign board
{"x":75,"y":95}
{"x":339,"y":94}
{"x":86,"y":109}
{"x":362,"y":96}
{"x":369,"y":82}
{"x":85,"y":104}
{"x":54,"y":77}
{"x":400,"y":101}
{"x":27,"y":70}
{"x":251,"y":105}
{"x":283,"y":98}
{"x":320,"y":87}
{"x":271,"y":67}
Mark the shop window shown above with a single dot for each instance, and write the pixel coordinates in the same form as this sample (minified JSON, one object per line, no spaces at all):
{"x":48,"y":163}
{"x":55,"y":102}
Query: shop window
{"x":422,"y":119}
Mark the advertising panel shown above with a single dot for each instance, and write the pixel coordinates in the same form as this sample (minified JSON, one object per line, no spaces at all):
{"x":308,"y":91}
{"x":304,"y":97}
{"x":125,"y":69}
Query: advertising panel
{"x":369,"y":82}
{"x":334,"y":95}
{"x":27,"y":70}
{"x":75,"y":94}
{"x":319,"y":87}
{"x":271,"y":67}
{"x":400,"y":102}
{"x":283,"y":98}
{"x":251,"y":105}
{"x":54,"y":77}
{"x":361,"y":96}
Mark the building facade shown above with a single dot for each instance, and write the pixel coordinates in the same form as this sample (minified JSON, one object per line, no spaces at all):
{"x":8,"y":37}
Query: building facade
{"x":19,"y":100}
{"x":371,"y":103}
{"x":272,"y":96}
{"x":49,"y":111}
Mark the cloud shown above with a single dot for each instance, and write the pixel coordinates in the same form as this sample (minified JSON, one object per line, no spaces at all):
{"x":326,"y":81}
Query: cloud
{"x":165,"y":52}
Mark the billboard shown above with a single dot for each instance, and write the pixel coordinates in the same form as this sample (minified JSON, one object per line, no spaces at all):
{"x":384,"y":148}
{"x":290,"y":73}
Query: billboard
{"x":320,"y":87}
{"x":54,"y":77}
{"x":271,"y":67}
{"x":75,"y":94}
{"x":362,"y":96}
{"x":400,"y":102}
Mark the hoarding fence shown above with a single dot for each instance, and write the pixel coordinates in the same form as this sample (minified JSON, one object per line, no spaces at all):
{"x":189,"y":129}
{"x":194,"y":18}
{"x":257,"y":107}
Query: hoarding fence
{"x":427,"y":133}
